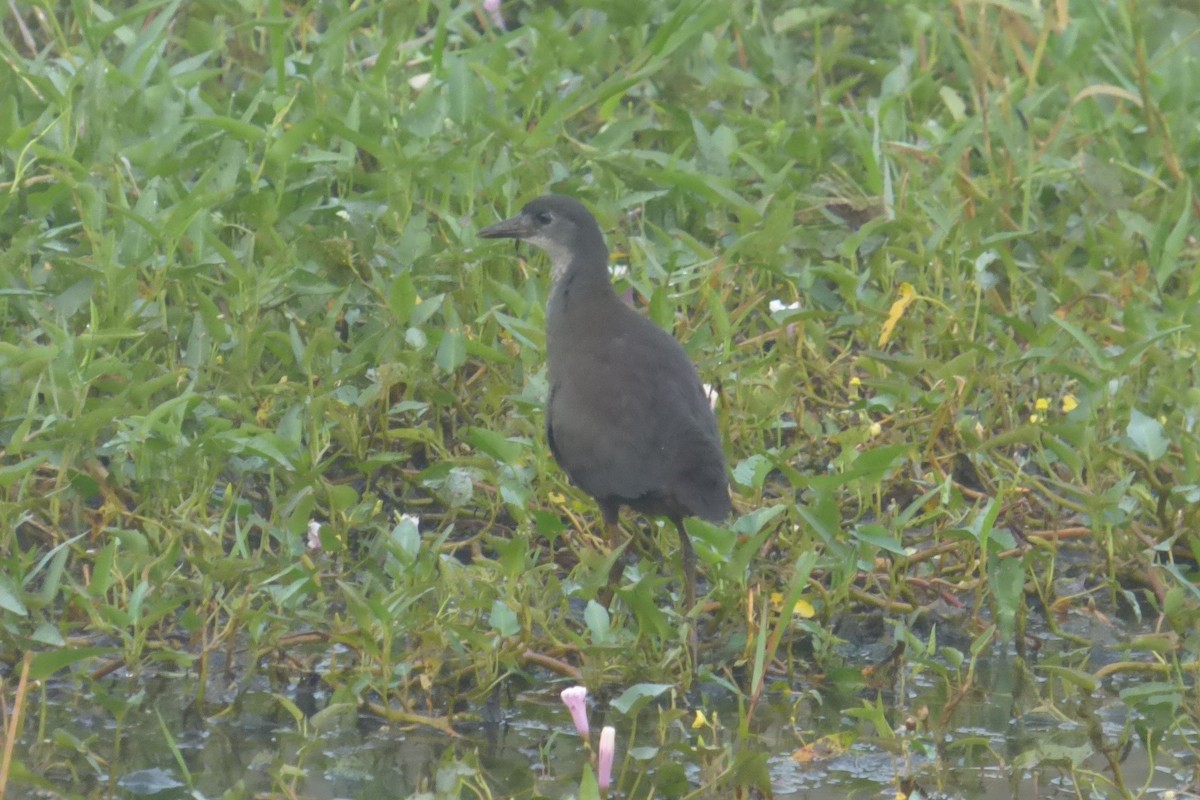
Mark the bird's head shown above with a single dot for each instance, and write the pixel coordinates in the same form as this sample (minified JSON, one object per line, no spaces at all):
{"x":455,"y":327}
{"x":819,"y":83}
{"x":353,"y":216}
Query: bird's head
{"x":561,"y":226}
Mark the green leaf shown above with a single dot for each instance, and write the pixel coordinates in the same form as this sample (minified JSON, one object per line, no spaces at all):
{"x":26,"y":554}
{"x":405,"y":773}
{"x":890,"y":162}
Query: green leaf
{"x":1147,"y":435}
{"x":50,"y":662}
{"x":1078,"y":678}
{"x":54,"y":572}
{"x":504,"y":620}
{"x":589,"y":789}
{"x":460,"y":90}
{"x":10,"y":597}
{"x":751,"y":472}
{"x":1046,"y":753}
{"x":1006,"y":576}
{"x":983,"y":523}
{"x":458,"y":487}
{"x":800,"y":17}
{"x":407,"y":536}
{"x":1154,"y":697}
{"x":877,"y":536}
{"x":598,"y":623}
{"x":1099,"y":361}
{"x":402,"y":297}
{"x":452,"y":351}
{"x":495,"y":445}
{"x":1172,"y":244}
{"x":47,"y":634}
{"x":335,"y":717}
{"x":752,"y":522}
{"x":636,"y":696}
{"x":234,"y":127}
{"x":102,"y":570}
{"x":18,"y":470}
{"x":876,"y":462}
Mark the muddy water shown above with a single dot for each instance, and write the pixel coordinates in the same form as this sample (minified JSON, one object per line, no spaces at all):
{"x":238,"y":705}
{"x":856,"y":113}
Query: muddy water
{"x":1014,"y":735}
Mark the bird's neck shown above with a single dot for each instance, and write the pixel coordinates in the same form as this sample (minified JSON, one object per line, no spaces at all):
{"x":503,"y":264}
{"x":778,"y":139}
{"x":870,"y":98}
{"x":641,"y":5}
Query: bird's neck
{"x":580,"y":297}
{"x":580,"y":280}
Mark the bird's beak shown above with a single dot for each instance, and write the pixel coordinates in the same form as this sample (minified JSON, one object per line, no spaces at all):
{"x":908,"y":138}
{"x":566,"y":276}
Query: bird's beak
{"x":517,"y":227}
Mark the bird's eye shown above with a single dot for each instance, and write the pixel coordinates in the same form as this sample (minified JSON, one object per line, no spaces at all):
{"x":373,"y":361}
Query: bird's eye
{"x":543,"y":217}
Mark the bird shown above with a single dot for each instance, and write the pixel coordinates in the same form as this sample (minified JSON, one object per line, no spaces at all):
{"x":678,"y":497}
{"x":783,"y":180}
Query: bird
{"x":627,"y":417}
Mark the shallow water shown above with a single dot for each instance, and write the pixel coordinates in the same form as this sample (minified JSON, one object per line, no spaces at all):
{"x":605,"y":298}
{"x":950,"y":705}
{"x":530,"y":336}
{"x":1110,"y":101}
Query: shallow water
{"x":1013,"y":736}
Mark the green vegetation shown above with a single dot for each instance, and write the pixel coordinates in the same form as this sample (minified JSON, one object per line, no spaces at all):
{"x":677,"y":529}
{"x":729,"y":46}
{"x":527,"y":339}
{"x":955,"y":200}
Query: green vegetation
{"x":240,"y":292}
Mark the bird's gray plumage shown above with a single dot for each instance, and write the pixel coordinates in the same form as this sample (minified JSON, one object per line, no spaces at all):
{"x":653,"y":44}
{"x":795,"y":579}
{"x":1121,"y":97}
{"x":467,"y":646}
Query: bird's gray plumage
{"x":627,"y":417}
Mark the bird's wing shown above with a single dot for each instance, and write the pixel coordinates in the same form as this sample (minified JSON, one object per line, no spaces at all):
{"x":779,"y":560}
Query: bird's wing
{"x":618,"y":415}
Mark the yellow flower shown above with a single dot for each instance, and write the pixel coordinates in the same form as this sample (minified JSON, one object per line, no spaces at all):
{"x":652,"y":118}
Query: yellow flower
{"x":1042,"y":404}
{"x":876,"y":429}
{"x":1034,"y":419}
{"x":700,"y":721}
{"x":855,"y":381}
{"x":1069,"y":403}
{"x":802,"y":609}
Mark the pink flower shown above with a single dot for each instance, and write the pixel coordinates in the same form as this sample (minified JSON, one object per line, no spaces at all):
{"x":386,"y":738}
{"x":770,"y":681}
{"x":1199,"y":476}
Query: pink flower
{"x":575,"y":699}
{"x":492,"y":9}
{"x":608,"y":746}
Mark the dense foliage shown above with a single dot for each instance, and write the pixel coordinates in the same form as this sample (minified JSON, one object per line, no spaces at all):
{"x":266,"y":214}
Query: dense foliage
{"x":939,"y":259}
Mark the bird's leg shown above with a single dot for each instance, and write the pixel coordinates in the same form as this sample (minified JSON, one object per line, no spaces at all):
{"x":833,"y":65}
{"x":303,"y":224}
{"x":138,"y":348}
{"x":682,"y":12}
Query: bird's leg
{"x":612,"y":533}
{"x":687,"y":555}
